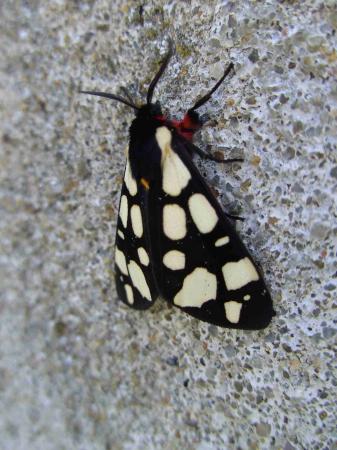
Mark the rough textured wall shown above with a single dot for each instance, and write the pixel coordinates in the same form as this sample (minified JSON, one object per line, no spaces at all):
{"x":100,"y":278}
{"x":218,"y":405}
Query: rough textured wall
{"x":77,"y":368}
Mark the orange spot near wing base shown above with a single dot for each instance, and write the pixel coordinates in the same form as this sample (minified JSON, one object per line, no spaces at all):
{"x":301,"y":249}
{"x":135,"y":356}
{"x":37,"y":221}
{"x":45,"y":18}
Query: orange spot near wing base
{"x":145,"y":183}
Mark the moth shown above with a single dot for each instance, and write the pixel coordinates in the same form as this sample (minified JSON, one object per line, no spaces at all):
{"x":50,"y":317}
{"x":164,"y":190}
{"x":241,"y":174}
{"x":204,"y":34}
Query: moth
{"x":173,"y":238}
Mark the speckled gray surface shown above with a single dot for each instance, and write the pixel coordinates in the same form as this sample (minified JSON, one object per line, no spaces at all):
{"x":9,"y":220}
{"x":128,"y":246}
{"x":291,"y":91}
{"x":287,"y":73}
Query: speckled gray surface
{"x":77,"y":368}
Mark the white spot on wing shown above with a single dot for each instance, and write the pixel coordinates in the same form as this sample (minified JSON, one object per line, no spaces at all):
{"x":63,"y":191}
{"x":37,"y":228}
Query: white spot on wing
{"x":174,"y":222}
{"x":164,"y":137}
{"x":198,"y":287}
{"x":123,"y":210}
{"x":143,"y":256}
{"x":136,"y":220}
{"x":121,"y":261}
{"x":175,"y":174}
{"x":129,"y":294}
{"x":129,"y":180}
{"x":232,"y":310}
{"x":174,"y":260}
{"x":222,"y":241}
{"x":202,"y":212}
{"x":121,"y":234}
{"x":246,"y":297}
{"x":238,"y":274}
{"x":138,"y":280}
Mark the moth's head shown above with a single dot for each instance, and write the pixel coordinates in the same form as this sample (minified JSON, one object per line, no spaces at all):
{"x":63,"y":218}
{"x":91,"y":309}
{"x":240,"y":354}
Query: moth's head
{"x":149,"y":110}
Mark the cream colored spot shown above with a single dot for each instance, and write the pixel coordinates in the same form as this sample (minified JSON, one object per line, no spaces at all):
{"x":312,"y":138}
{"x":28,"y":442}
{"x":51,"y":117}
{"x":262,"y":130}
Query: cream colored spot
{"x":138,"y":280}
{"x":129,"y":294}
{"x":198,"y":287}
{"x":123,"y":210}
{"x":164,"y":137}
{"x":222,"y":241}
{"x":175,"y":174}
{"x":232,"y":310}
{"x":129,"y":180}
{"x":143,"y":256}
{"x":136,"y":220}
{"x":121,"y":261}
{"x":174,"y":260}
{"x":174,"y":222}
{"x":238,"y":274}
{"x":246,"y":297}
{"x":121,"y":234}
{"x":202,"y":212}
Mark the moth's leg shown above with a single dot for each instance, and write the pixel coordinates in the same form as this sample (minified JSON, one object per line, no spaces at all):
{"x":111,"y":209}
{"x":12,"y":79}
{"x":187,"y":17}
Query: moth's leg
{"x":228,"y":160}
{"x":194,"y":149}
{"x":230,"y":216}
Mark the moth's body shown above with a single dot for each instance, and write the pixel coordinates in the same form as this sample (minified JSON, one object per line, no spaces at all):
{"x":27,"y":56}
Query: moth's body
{"x":185,"y":233}
{"x":173,"y":238}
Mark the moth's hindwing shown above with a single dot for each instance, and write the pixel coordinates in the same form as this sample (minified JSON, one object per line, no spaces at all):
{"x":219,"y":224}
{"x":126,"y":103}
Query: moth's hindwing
{"x":200,"y":263}
{"x":134,"y":279}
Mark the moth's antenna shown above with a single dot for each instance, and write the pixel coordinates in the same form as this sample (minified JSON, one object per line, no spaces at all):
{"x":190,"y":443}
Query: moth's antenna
{"x":206,"y":97}
{"x":159,"y":73}
{"x":127,"y":95}
{"x":112,"y":97}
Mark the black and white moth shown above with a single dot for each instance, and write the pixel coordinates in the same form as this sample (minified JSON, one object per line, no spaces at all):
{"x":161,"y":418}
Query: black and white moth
{"x":173,"y":238}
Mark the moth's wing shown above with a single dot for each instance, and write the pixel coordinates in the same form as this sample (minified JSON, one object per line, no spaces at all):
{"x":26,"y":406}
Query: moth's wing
{"x":134,"y":279}
{"x":201,"y":264}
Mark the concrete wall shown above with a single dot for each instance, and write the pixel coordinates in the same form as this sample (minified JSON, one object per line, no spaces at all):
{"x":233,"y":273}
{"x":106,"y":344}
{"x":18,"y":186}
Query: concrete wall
{"x":80,"y":370}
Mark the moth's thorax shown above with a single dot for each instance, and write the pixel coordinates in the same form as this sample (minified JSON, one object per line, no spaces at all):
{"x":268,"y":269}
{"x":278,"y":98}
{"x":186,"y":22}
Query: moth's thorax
{"x":144,"y":152}
{"x":188,"y":126}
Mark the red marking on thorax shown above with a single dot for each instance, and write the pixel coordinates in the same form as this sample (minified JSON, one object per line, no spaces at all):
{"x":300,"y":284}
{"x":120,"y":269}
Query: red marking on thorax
{"x":185,"y":127}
